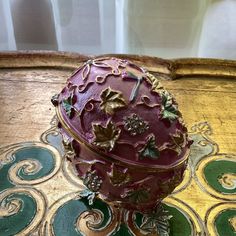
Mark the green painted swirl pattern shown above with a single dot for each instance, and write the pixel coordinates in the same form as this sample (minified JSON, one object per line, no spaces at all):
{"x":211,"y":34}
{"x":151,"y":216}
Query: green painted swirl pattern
{"x":22,"y":208}
{"x":6,"y":222}
{"x":21,"y":166}
{"x":226,"y":218}
{"x":68,"y":218}
{"x":221,"y":175}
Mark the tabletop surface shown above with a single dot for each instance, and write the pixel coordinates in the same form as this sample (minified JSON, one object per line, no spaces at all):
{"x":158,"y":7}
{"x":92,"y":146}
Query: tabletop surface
{"x":205,"y":202}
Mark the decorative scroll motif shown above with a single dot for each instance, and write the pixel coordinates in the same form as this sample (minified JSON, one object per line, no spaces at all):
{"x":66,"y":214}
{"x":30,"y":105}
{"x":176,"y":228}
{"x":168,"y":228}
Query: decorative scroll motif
{"x":99,"y":63}
{"x":10,"y":207}
{"x":89,"y":106}
{"x":228,"y":180}
{"x":28,"y":164}
{"x":220,"y":219}
{"x":93,"y":219}
{"x":150,"y":150}
{"x":202,"y":128}
{"x":22,"y":166}
{"x":135,"y":125}
{"x":106,"y":137}
{"x":111,"y":100}
{"x":145,"y":100}
{"x":22,"y":207}
{"x":119,"y":176}
{"x":28,"y":167}
{"x":84,"y":87}
{"x":211,"y":170}
{"x":115,"y":71}
{"x":86,"y":69}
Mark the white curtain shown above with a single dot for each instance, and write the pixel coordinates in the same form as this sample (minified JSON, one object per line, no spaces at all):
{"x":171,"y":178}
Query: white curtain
{"x":218,"y":37}
{"x":163,"y":28}
{"x":7,"y":39}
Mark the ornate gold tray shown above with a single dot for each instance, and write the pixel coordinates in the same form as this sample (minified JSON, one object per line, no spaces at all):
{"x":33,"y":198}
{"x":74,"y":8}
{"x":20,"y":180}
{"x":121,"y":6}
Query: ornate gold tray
{"x":39,"y":191}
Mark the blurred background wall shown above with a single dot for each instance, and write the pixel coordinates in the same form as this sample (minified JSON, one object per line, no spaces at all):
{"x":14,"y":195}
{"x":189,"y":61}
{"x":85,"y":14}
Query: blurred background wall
{"x":163,"y":28}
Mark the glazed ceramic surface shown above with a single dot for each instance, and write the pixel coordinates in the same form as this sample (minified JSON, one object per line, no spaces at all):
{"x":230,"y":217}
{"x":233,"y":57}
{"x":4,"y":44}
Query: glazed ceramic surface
{"x":123,"y":132}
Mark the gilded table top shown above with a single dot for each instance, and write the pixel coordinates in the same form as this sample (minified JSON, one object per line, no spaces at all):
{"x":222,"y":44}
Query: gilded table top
{"x":40,"y":192}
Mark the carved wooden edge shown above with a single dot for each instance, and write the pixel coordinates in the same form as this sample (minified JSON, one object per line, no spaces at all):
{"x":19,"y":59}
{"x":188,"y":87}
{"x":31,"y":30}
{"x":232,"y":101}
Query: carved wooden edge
{"x":172,"y":68}
{"x":30,"y":59}
{"x":204,"y":66}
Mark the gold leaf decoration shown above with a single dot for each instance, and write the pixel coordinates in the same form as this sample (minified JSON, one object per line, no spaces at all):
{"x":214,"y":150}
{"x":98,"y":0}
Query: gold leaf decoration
{"x":118,"y":177}
{"x":111,"y":100}
{"x":179,"y":140}
{"x":157,"y":222}
{"x":105,"y":137}
{"x":156,"y":84}
{"x":137,"y":196}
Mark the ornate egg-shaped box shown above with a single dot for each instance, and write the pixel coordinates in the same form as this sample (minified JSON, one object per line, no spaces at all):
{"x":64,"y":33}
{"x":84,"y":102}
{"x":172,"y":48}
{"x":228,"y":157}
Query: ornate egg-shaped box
{"x":123,"y":132}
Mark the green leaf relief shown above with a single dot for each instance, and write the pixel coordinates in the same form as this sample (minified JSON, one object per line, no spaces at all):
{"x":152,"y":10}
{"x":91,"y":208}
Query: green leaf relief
{"x":150,"y":149}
